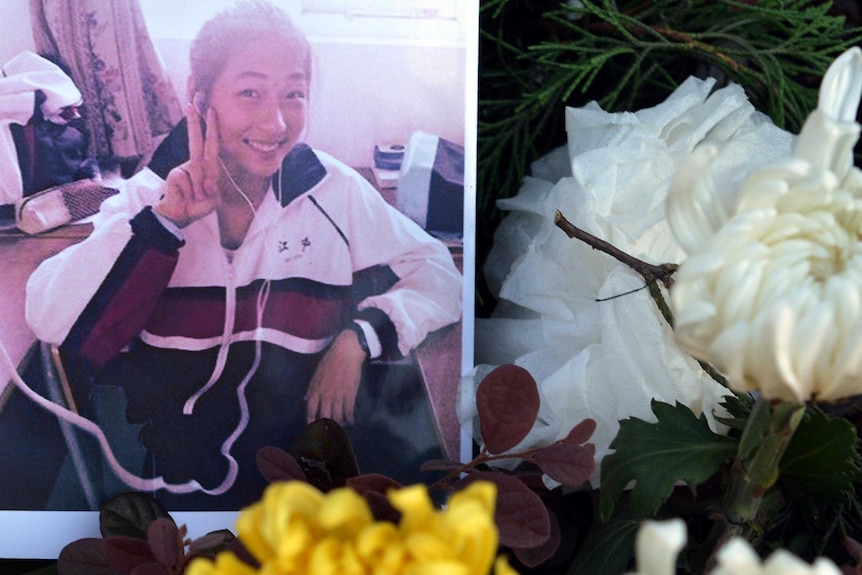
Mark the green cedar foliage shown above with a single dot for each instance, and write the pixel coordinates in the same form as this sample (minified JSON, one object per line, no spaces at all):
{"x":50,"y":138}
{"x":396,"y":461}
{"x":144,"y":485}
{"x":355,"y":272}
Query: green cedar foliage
{"x":539,"y":56}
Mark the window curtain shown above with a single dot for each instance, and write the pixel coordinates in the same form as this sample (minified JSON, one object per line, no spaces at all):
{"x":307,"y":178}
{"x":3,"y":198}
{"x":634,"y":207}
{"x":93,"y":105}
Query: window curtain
{"x":128,"y":99}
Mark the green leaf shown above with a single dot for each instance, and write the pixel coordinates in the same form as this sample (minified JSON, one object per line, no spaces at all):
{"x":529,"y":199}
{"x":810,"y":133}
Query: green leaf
{"x":608,"y":548}
{"x":129,"y":515}
{"x":678,"y":447}
{"x":819,"y":462}
{"x":325,"y":455}
{"x":739,"y":407}
{"x":759,"y":419}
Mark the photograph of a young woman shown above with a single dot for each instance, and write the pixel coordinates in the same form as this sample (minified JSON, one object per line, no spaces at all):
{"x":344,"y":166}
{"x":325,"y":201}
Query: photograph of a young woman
{"x":240,"y":294}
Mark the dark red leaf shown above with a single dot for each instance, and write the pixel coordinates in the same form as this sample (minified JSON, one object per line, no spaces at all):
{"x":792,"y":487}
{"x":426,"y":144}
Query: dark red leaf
{"x":278,"y":465}
{"x":855,"y":549}
{"x":164,"y":539}
{"x":508,"y":402}
{"x":439,"y":465}
{"x":372,"y":482}
{"x":84,"y":557}
{"x":521,"y":516}
{"x":150,"y":568}
{"x":581,"y":433}
{"x":217,"y":540}
{"x":567,"y":463}
{"x":126,"y":553}
{"x":535,"y":556}
{"x":381,"y":509}
{"x":242,"y":553}
{"x":373,"y":487}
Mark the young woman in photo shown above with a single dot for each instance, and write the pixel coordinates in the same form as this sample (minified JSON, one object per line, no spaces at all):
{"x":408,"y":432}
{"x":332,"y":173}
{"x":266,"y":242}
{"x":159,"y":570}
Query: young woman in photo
{"x":240,"y":295}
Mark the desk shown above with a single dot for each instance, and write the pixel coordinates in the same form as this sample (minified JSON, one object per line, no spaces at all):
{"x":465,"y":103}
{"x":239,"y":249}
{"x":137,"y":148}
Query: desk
{"x":439,"y":356}
{"x":439,"y":362}
{"x":20,"y":254}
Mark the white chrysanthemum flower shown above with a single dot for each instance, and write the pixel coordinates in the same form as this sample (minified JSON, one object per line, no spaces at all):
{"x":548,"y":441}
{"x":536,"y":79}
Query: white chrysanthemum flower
{"x":772,"y":293}
{"x":656,"y":546}
{"x":607,"y":360}
{"x":737,"y":557}
{"x":658,"y":543}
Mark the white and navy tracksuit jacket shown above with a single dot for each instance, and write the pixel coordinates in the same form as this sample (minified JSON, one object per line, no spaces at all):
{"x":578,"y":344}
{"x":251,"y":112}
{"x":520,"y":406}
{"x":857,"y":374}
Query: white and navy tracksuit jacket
{"x":157,"y":315}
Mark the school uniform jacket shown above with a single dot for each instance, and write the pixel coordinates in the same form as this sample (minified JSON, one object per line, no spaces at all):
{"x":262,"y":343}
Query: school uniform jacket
{"x":331,"y":247}
{"x":323,"y":249}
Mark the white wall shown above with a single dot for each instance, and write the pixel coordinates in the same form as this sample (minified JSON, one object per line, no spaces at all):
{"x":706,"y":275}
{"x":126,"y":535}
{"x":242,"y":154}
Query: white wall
{"x":382,"y":94}
{"x":15,"y":32}
{"x":373,"y":83}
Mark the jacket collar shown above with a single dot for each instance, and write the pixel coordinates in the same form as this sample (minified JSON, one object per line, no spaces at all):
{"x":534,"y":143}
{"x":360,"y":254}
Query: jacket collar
{"x":300,"y":171}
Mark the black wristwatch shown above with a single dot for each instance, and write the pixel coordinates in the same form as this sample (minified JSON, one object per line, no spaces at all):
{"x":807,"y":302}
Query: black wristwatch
{"x":360,"y":335}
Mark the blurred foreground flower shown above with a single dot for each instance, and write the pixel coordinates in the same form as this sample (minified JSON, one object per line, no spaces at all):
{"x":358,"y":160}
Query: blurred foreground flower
{"x":607,"y":360}
{"x":295,"y":529}
{"x":656,"y":546}
{"x":772,"y":294}
{"x":659,"y":542}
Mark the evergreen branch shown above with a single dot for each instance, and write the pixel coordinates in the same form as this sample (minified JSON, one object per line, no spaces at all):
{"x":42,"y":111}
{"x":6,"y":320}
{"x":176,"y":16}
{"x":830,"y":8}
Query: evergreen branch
{"x":631,"y":54}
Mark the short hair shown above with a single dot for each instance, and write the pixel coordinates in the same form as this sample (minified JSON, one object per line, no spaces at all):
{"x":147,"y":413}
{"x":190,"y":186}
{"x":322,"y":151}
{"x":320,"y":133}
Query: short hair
{"x":220,"y":36}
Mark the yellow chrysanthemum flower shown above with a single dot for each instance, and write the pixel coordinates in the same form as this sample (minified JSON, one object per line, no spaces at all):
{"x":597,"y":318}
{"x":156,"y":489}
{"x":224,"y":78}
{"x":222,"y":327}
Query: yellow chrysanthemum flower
{"x":295,"y":529}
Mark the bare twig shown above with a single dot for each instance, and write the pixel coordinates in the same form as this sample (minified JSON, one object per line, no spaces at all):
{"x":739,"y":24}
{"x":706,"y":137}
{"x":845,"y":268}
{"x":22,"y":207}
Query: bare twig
{"x":649,"y":272}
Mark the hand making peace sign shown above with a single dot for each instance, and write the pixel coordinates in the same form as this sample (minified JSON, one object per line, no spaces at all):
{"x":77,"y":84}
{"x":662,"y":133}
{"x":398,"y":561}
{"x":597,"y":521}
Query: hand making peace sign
{"x":192,"y":188}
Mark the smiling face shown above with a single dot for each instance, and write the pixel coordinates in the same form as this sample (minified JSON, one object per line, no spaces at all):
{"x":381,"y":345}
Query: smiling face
{"x":261,"y":100}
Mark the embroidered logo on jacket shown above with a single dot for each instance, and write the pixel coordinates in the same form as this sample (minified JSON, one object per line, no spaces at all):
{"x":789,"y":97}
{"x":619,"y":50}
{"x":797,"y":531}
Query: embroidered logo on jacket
{"x":292,"y":248}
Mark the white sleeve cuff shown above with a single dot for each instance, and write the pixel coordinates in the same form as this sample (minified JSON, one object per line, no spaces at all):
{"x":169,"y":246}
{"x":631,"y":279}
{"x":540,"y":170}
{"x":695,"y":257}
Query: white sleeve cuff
{"x":375,"y":348}
{"x":170,"y":226}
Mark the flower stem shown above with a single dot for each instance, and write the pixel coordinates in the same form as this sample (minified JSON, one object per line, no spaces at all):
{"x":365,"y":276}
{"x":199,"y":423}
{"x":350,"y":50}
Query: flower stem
{"x":482,"y":458}
{"x":768,"y":432}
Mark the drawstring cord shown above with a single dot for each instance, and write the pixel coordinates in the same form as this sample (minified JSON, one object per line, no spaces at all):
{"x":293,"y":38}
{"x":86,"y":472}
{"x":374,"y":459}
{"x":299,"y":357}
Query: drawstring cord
{"x":154,"y":483}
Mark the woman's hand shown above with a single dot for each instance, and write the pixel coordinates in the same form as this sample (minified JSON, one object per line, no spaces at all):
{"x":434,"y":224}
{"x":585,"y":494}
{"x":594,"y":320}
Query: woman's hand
{"x":192,"y":188}
{"x":332,"y":391}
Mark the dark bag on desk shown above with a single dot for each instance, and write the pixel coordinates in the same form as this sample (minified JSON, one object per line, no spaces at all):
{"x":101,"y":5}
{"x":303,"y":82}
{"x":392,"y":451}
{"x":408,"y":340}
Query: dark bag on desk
{"x":51,"y":154}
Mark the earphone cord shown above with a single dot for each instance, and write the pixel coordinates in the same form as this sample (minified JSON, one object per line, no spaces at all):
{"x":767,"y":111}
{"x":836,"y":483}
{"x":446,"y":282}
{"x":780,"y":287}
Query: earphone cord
{"x":236,"y":186}
{"x":134,"y":481}
{"x":130,"y":479}
{"x":189,"y":406}
{"x":262,"y":297}
{"x":127,"y":477}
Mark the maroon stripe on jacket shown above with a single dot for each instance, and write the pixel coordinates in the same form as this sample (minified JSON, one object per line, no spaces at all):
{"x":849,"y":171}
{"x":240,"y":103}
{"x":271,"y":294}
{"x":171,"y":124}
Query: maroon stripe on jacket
{"x":188,"y":313}
{"x":129,"y":307}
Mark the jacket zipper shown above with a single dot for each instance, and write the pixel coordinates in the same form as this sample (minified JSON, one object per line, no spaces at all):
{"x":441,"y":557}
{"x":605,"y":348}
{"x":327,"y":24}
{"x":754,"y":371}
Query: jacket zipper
{"x":227,"y":335}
